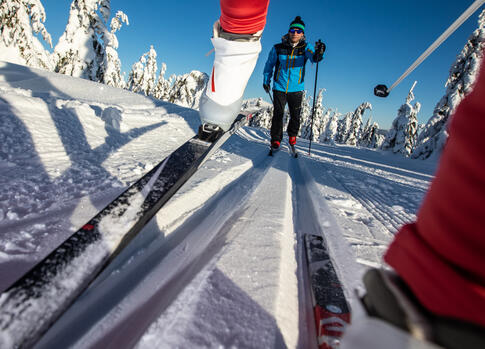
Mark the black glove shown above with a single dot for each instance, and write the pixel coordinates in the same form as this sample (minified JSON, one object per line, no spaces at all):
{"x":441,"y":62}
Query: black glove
{"x":266,"y":87}
{"x":319,"y":50}
{"x":320,"y":47}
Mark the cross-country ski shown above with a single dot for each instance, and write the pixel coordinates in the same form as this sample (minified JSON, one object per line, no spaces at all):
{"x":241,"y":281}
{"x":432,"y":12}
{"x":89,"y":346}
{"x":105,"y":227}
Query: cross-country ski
{"x":273,"y":151}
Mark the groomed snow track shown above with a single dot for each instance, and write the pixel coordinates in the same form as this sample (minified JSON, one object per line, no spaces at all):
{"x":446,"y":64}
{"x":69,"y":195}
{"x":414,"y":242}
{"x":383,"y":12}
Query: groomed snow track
{"x":224,"y":264}
{"x":262,"y":214}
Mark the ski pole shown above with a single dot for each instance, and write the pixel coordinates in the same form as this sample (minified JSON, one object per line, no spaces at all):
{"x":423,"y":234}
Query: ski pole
{"x":313,"y":109}
{"x":269,"y":94}
{"x":383,"y":91}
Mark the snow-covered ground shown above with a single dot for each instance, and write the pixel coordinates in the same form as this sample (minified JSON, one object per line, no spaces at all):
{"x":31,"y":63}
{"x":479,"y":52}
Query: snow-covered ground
{"x":221,"y":265}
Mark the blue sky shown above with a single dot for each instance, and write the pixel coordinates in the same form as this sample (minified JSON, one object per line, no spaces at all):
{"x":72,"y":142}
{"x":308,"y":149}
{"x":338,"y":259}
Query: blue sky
{"x":368,"y":42}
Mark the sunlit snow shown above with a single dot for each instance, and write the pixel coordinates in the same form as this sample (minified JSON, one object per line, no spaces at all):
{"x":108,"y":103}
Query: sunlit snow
{"x":220,"y":265}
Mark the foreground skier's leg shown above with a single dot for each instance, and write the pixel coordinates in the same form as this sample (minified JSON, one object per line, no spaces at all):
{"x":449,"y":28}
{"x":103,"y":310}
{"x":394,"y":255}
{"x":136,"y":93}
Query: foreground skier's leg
{"x":237,"y":45}
{"x":439,"y":294}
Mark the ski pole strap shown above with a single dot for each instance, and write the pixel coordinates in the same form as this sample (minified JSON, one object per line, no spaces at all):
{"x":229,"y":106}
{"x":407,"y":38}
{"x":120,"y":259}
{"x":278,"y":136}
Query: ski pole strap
{"x":456,"y":24}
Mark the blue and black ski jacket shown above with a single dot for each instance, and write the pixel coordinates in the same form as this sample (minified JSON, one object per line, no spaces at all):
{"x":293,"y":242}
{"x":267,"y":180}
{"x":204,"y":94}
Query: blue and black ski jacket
{"x":288,"y":64}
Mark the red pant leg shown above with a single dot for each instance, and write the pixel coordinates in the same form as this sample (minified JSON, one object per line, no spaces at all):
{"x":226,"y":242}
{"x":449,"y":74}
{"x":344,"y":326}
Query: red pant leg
{"x":243,"y":16}
{"x":442,"y":255}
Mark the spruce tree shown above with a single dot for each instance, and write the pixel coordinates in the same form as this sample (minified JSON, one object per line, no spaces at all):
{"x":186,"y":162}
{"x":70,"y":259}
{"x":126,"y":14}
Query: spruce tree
{"x":401,"y":138}
{"x":463,"y":74}
{"x":305,"y":116}
{"x":356,"y":124}
{"x":143,"y":75}
{"x":331,"y":129}
{"x":375,"y":139}
{"x":364,"y":138}
{"x":343,"y":128}
{"x":112,"y":65}
{"x":262,"y":112}
{"x":80,"y":51}
{"x":262,"y":118}
{"x":323,"y":124}
{"x":164,"y":86}
{"x":317,"y":116}
{"x":187,"y":89}
{"x":135,"y":79}
{"x":161,"y":83}
{"x":20,"y":20}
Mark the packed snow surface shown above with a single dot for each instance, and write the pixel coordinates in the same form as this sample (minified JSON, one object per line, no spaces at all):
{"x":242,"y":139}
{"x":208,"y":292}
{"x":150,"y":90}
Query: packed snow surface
{"x":222,"y":264}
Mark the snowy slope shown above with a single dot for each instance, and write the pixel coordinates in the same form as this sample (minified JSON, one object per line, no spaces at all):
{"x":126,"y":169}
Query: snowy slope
{"x":222,"y":262}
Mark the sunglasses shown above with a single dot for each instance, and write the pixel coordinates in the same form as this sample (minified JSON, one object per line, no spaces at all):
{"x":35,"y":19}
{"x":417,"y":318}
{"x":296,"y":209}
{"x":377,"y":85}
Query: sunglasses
{"x":298,"y":31}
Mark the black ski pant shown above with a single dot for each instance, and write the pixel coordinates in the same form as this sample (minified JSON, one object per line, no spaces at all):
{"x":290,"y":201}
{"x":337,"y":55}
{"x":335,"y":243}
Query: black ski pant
{"x":294,"y":104}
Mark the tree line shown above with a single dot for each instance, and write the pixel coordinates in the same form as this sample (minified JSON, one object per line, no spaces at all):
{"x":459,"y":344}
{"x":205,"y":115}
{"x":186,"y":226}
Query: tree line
{"x":88,"y":49}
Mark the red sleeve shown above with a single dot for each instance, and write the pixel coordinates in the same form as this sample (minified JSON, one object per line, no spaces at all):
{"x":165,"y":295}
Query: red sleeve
{"x":442,"y":255}
{"x":243,"y":17}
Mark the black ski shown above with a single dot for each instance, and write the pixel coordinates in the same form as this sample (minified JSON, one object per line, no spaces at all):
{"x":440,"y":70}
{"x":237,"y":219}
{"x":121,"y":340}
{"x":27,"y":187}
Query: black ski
{"x":34,"y":302}
{"x":293,"y":151}
{"x":331,"y":310}
{"x":273,"y":151}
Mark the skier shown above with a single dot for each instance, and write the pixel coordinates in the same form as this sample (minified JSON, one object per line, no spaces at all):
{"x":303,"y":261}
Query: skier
{"x":436,"y":293}
{"x":288,"y":60}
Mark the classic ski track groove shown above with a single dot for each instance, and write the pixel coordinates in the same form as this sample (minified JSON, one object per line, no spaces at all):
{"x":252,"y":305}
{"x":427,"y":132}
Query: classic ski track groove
{"x":302,"y":225}
{"x":373,"y":200}
{"x":392,"y":220}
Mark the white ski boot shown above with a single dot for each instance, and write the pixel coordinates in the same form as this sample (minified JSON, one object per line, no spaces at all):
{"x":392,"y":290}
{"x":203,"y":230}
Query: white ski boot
{"x":234,"y":62}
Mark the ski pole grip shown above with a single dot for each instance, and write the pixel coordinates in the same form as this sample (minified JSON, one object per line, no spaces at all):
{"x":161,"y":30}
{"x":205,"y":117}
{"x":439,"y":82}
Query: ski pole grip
{"x":319,"y":45}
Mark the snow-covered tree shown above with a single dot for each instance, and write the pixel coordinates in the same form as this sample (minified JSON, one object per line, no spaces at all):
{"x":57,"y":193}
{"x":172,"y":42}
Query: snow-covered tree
{"x":80,"y":51}
{"x":187,"y":89}
{"x":20,"y":20}
{"x":370,"y":135}
{"x":164,"y":86}
{"x":343,"y":128}
{"x":324,"y":123}
{"x":305,"y":116}
{"x":262,"y":118}
{"x":112,"y":65}
{"x":135,"y":79}
{"x":306,"y":129}
{"x":365,"y":132}
{"x":331,"y":129}
{"x":401,"y":138}
{"x":261,"y":110}
{"x":150,"y":72}
{"x":356,"y":124}
{"x":460,"y":82}
{"x":377,"y":139}
{"x":143,"y":75}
